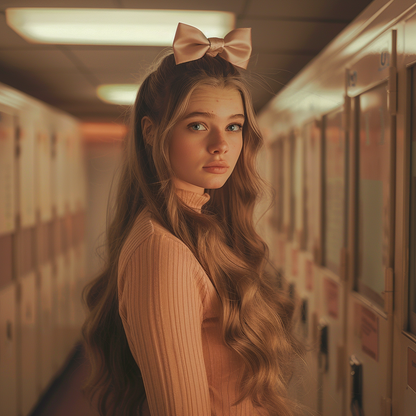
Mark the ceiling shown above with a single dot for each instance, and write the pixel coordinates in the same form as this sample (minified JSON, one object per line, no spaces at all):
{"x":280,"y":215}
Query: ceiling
{"x":286,"y":35}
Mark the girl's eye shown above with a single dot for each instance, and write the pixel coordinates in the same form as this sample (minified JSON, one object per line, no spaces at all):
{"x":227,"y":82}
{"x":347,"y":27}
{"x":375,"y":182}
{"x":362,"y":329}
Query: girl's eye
{"x":235,"y":127}
{"x":197,"y":127}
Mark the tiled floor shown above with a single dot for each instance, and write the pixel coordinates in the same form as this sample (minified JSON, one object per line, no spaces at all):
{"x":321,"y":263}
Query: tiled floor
{"x":65,"y":398}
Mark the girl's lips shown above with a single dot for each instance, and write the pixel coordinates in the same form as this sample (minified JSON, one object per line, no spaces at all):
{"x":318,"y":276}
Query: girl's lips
{"x":216,"y":169}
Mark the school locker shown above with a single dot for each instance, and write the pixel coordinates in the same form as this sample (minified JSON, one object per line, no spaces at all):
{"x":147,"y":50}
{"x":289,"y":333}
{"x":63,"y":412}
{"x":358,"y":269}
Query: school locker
{"x":307,"y":269}
{"x":60,"y":307}
{"x":371,"y":232}
{"x":27,"y":342}
{"x":72,"y":295}
{"x":26,"y":141}
{"x":7,"y":170}
{"x":8,"y":351}
{"x":277,"y":217}
{"x":285,"y":248}
{"x":43,"y":168}
{"x":331,"y":284}
{"x":404,"y":360}
{"x":47,"y":340}
{"x":59,"y":169}
{"x":83,"y":279}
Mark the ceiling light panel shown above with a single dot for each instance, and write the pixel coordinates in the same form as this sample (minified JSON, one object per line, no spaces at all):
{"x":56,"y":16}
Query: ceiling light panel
{"x":112,"y":26}
{"x":124,"y":94}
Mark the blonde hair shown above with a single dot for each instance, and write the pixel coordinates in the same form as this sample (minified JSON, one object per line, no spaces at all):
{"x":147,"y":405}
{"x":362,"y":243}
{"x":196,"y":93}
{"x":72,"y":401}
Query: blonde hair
{"x":257,"y":317}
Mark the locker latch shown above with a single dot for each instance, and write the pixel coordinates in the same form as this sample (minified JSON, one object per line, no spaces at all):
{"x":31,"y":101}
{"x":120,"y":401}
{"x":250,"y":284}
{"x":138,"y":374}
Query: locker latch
{"x":323,"y":359}
{"x":356,"y":387}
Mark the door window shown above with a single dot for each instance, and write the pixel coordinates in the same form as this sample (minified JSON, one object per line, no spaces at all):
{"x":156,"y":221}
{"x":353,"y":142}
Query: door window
{"x":373,"y":234}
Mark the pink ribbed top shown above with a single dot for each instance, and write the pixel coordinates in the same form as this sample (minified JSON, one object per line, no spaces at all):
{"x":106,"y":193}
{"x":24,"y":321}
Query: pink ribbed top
{"x":170,"y":312}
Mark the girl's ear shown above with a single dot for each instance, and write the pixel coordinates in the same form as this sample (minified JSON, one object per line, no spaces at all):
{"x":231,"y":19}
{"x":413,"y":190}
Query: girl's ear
{"x":147,"y":130}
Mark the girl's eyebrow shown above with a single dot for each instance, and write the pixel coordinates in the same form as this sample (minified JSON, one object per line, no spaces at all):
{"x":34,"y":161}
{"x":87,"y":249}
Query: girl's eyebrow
{"x":210,"y":115}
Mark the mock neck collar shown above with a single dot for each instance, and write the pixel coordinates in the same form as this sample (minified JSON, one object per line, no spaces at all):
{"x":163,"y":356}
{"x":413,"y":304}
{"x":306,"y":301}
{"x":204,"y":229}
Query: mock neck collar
{"x":192,"y":199}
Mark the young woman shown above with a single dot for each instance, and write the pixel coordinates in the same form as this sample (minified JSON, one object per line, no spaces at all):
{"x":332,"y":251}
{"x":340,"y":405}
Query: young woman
{"x":183,"y":320}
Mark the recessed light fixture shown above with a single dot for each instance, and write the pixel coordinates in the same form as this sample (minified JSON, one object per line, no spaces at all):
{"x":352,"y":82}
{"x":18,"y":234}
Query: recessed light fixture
{"x":123,"y":94}
{"x":112,"y":26}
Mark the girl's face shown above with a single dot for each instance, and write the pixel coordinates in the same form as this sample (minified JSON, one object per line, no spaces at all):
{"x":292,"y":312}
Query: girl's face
{"x":206,"y":143}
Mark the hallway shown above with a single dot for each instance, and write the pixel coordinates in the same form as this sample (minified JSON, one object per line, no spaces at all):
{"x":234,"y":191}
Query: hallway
{"x":64,"y":398}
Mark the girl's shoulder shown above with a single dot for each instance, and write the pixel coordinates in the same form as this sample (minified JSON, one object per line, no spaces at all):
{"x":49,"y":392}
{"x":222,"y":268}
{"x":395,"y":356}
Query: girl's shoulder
{"x":146,"y":233}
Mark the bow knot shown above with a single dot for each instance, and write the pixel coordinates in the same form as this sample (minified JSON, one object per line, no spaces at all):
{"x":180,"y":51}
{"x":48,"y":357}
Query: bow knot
{"x":191,"y":44}
{"x":216,"y":46}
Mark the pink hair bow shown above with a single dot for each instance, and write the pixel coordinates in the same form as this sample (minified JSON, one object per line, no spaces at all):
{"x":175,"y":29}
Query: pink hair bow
{"x":191,"y":44}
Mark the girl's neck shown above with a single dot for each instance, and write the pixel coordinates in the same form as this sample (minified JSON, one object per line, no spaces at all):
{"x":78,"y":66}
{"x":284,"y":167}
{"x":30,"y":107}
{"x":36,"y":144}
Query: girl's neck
{"x":192,"y":199}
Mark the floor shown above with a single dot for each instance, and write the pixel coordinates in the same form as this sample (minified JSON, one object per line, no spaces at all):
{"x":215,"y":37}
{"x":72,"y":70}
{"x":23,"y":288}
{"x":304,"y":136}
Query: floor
{"x":64,"y":398}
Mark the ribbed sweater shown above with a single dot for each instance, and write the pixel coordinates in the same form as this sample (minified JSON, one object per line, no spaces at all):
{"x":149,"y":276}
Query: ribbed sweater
{"x":171,"y":316}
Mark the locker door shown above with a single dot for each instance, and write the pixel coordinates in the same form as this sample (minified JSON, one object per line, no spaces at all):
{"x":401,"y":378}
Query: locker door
{"x":404,"y":364}
{"x":331,"y":279}
{"x":279,"y":211}
{"x":26,"y":168}
{"x":274,"y":169}
{"x":43,"y":171}
{"x":28,"y":343}
{"x":8,"y":351}
{"x":47,"y":341}
{"x":297,"y":209}
{"x":371,"y":249}
{"x":7,"y":172}
{"x":312,"y":216}
{"x":302,"y":262}
{"x":409,"y":345}
{"x":287,"y":206}
{"x":60,"y":306}
{"x":73,"y":299}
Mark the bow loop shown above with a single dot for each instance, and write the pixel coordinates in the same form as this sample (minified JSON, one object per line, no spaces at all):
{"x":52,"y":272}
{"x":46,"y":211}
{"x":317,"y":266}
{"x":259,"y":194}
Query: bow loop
{"x":191,"y":44}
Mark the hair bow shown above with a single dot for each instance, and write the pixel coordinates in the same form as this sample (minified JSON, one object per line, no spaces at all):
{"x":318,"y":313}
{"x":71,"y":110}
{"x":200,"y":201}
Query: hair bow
{"x":191,"y":44}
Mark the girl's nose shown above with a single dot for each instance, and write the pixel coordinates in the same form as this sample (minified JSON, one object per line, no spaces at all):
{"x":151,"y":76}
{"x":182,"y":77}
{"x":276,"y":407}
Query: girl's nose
{"x":218,"y":144}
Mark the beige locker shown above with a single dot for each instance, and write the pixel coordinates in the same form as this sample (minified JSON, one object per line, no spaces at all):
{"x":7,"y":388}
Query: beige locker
{"x":43,"y":169}
{"x":330,"y":283}
{"x":60,"y":307}
{"x":73,"y":300}
{"x":28,"y":342}
{"x":7,"y":171}
{"x":26,"y":167}
{"x":6,"y":259}
{"x":8,"y":351}
{"x":404,"y":364}
{"x":47,"y":341}
{"x":71,"y":176}
{"x":330,"y":342}
{"x":304,"y":256}
{"x":371,"y":231}
{"x":312,"y":219}
{"x":59,"y":167}
{"x":308,"y":327}
{"x":82,"y":280}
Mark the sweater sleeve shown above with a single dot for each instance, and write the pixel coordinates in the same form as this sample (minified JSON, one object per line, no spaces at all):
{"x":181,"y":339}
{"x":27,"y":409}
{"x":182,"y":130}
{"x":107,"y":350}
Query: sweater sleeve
{"x":163,"y":311}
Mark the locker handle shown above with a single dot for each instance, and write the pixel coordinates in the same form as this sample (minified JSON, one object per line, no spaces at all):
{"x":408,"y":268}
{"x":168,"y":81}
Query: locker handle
{"x":356,"y":406}
{"x":323,"y":358}
{"x":9,"y":332}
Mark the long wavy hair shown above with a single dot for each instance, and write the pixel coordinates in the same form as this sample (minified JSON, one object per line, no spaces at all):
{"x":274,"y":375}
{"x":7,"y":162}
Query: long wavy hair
{"x":257,"y":318}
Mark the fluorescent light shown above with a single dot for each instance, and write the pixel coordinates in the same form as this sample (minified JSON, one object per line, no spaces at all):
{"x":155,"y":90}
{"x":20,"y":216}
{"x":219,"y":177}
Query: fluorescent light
{"x":112,"y":26}
{"x":124,"y":94}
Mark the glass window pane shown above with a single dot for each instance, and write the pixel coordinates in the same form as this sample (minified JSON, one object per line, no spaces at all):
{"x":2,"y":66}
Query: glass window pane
{"x":311,"y":193}
{"x":373,"y":192}
{"x":334,"y":191}
{"x":412,"y":250}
